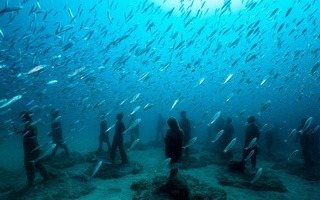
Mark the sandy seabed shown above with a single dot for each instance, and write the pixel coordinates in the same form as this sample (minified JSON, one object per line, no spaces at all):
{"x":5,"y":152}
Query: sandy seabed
{"x":152,"y":160}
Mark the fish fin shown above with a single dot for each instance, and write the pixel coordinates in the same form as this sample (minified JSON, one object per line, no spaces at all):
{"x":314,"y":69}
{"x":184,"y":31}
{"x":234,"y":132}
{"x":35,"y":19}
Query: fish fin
{"x":7,"y":4}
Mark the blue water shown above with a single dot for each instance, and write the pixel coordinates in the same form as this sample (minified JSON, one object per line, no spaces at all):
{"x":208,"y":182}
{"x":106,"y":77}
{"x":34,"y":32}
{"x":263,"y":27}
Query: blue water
{"x":121,"y":49}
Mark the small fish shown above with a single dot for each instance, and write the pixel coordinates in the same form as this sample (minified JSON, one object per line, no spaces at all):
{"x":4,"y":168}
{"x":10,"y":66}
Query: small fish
{"x":36,"y":69}
{"x":315,"y":68}
{"x":264,"y":106}
{"x":293,"y":154}
{"x":134,"y":144}
{"x":135,"y":98}
{"x":135,"y":110}
{"x":200,"y":82}
{"x":11,"y":101}
{"x":305,"y":126}
{"x":70,"y":13}
{"x":218,"y":136}
{"x":122,"y":102}
{"x":174,"y":104}
{"x":52,"y":82}
{"x":257,"y":176}
{"x":230,"y":145}
{"x":228,"y":78}
{"x":109,"y":16}
{"x":36,"y":122}
{"x":249,"y":155}
{"x":288,"y":12}
{"x":76,"y":72}
{"x":241,"y":112}
{"x":111,"y":127}
{"x":67,"y":140}
{"x":147,"y":106}
{"x":252,"y":144}
{"x":282,"y":124}
{"x":132,"y":125}
{"x":291,"y":135}
{"x":1,"y":32}
{"x":215,"y":117}
{"x":263,"y":81}
{"x":96,"y":168}
{"x":190,"y":142}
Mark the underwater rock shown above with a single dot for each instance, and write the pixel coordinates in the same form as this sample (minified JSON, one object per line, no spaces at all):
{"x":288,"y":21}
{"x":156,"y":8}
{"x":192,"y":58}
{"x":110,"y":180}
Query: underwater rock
{"x":267,"y":182}
{"x":9,"y":180}
{"x":180,"y":187}
{"x":63,"y":187}
{"x":311,"y":173}
{"x":140,"y":185}
{"x":111,"y":171}
{"x":63,"y":161}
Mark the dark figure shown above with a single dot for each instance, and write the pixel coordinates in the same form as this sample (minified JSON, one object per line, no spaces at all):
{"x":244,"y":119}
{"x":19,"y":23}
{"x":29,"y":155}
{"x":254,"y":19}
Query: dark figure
{"x":305,"y":143}
{"x":118,"y":140}
{"x":269,"y":141}
{"x":56,"y":133}
{"x":134,"y":133}
{"x":227,"y":136}
{"x":186,"y":128}
{"x":160,"y":124}
{"x":252,"y":131}
{"x":104,"y":134}
{"x":173,"y":145}
{"x":30,"y":142}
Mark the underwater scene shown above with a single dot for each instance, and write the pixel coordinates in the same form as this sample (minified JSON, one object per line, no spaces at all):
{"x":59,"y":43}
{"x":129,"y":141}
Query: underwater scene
{"x":159,"y":99}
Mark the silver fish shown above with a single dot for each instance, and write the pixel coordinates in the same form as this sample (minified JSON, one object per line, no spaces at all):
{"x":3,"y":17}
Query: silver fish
{"x":249,"y":155}
{"x":134,"y":144}
{"x":215,"y":117}
{"x":293,"y":154}
{"x":252,"y":144}
{"x":230,"y":145}
{"x":96,"y":168}
{"x":190,"y":142}
{"x":132,"y":125}
{"x":11,"y":101}
{"x":257,"y":176}
{"x":218,"y":136}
